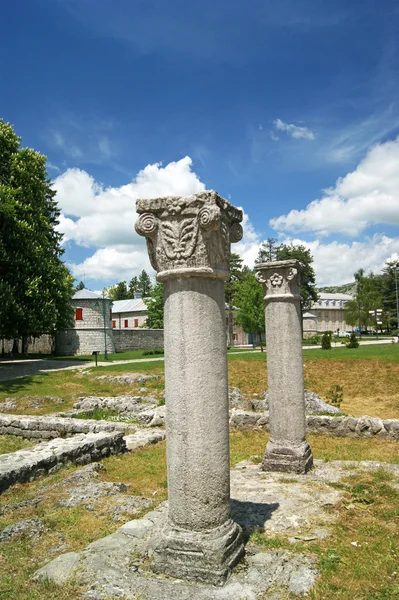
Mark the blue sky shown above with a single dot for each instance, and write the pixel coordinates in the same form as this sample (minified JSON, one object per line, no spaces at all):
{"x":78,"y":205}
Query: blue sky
{"x":289,"y":109}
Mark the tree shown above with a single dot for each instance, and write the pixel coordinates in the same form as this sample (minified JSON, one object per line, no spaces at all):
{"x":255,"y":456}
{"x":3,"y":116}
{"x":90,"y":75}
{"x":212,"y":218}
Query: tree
{"x":267,"y":251}
{"x":270,"y":251}
{"x":250,"y":306}
{"x":155,"y":307}
{"x":230,"y":289}
{"x":133,"y":286}
{"x":352,"y":342}
{"x":368,"y":297}
{"x":80,"y":286}
{"x":390,"y":293}
{"x":35,"y":286}
{"x":118,"y":291}
{"x":144,"y":284}
{"x":326,"y":340}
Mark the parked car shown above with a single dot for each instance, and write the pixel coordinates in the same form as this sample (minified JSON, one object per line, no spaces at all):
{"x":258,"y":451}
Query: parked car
{"x":344,"y":334}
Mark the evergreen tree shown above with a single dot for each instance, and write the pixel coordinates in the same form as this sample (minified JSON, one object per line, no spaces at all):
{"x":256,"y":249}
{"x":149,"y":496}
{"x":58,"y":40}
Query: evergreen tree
{"x":270,"y":251}
{"x":155,"y":307}
{"x":230,"y":289}
{"x":133,"y":286}
{"x":35,"y":285}
{"x":80,"y":286}
{"x":326,"y":340}
{"x":144,"y":284}
{"x":352,"y":342}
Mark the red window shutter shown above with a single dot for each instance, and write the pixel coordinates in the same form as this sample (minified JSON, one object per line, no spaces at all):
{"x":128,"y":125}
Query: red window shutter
{"x":126,"y":323}
{"x":113,"y":324}
{"x":79,"y":314}
{"x":136,"y":322}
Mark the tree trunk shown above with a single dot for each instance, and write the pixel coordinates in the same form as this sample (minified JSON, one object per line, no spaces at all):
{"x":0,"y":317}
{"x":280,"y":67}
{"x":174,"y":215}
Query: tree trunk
{"x":15,"y":346}
{"x":25,"y":344}
{"x":231,"y":327}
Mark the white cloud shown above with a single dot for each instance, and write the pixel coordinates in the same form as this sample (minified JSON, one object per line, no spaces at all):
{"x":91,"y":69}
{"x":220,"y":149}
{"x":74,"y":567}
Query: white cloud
{"x":335,"y":262}
{"x":94,"y":216}
{"x":296,"y":131}
{"x":367,"y":196}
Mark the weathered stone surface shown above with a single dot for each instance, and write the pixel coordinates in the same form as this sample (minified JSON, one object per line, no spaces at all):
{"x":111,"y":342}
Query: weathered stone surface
{"x":128,"y":378}
{"x":131,"y":405}
{"x":287,"y":449}
{"x":295,"y":508}
{"x":188,"y":241}
{"x":313,"y":404}
{"x":142,"y":437}
{"x":33,"y":528}
{"x":48,"y":427}
{"x":60,"y":569}
{"x":48,"y":457}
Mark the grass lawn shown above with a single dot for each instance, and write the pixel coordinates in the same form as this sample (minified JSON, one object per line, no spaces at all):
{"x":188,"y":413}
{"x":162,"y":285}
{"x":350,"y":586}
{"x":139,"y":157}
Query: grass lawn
{"x":368,"y":514}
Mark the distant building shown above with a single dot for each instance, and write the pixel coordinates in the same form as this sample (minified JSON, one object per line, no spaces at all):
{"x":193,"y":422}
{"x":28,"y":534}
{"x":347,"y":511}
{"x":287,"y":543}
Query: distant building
{"x":128,"y":314}
{"x":92,"y":326}
{"x":329,"y":312}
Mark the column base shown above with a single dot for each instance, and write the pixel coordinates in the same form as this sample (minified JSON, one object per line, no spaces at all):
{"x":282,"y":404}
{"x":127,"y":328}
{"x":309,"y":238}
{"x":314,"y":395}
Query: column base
{"x":207,"y":556}
{"x":287,"y":458}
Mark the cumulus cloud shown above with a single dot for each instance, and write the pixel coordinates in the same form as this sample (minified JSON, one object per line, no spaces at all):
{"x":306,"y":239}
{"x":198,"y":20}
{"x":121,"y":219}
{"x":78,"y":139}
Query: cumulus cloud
{"x":367,"y":196}
{"x":336,"y":262}
{"x":103,"y":218}
{"x":295,"y":131}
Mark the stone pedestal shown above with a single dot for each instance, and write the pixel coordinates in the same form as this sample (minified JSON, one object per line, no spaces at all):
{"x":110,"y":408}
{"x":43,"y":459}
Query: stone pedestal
{"x":287,"y":449}
{"x":188,"y":240}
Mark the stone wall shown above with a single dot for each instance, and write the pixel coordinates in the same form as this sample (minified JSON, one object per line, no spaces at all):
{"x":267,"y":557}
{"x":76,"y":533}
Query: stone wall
{"x":354,"y":427}
{"x":76,"y":342}
{"x":47,"y":428}
{"x":41,"y":345}
{"x":138,"y":339}
{"x":26,"y":465}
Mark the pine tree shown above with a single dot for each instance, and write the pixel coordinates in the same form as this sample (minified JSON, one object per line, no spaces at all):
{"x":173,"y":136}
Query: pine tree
{"x":155,"y":307}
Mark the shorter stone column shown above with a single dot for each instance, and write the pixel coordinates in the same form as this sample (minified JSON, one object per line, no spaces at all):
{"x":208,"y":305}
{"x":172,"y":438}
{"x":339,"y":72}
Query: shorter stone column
{"x":287,"y":449}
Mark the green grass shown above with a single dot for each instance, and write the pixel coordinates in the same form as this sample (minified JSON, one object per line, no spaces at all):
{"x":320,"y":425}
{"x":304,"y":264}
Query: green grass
{"x":115,"y":356}
{"x":372,"y":351}
{"x":10,"y":443}
{"x":105,"y":414}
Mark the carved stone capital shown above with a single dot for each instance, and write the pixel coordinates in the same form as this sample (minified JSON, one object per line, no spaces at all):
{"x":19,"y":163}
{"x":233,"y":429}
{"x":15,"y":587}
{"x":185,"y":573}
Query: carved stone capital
{"x":280,"y":279}
{"x":189,"y":235}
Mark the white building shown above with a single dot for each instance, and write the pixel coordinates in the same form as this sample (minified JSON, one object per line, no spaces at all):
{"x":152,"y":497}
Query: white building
{"x":329,"y":312}
{"x":129,"y":314}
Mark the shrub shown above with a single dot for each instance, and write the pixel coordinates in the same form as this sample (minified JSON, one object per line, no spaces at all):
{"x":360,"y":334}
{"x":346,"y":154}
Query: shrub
{"x":326,"y":340}
{"x":352,"y":342}
{"x":335,"y":395}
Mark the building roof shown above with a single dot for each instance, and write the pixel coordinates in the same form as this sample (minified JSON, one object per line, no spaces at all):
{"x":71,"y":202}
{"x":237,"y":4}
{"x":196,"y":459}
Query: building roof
{"x":134,"y":305}
{"x":86,"y":295}
{"x":331,"y":300}
{"x":308,"y":315}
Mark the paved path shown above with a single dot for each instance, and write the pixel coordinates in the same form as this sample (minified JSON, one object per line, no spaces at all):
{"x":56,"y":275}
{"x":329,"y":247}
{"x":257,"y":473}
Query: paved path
{"x":14,"y":369}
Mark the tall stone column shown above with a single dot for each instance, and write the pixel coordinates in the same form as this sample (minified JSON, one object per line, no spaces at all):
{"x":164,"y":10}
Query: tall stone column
{"x":188,"y":241}
{"x":287,"y":449}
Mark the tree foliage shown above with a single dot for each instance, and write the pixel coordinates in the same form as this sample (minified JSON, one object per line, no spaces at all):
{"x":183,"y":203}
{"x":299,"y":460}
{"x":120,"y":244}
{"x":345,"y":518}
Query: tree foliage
{"x":270,"y":251}
{"x":35,"y":285}
{"x":155,"y":307}
{"x":230,"y":289}
{"x":368,"y":297}
{"x":326,"y":340}
{"x":250,"y":305}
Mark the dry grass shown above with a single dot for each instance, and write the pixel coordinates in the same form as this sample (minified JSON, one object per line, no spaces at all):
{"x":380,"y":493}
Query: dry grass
{"x":9,"y":443}
{"x":370,"y":385}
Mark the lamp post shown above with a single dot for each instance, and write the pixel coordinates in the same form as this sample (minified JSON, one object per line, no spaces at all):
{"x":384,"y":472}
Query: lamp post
{"x":104,"y":311}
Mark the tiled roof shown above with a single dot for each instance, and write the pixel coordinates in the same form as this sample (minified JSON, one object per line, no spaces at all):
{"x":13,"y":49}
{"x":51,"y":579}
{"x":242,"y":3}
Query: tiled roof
{"x":327,"y":300}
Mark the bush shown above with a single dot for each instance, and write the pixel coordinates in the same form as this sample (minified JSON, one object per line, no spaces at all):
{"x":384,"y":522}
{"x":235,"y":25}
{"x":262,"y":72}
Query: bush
{"x":335,"y":395}
{"x":152,"y":352}
{"x":352,"y":342}
{"x":326,"y":340}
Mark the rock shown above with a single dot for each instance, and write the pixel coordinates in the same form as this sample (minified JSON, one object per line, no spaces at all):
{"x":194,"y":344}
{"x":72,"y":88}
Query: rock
{"x":88,"y":492}
{"x":314,"y":405}
{"x":139,"y":528}
{"x":126,"y":405}
{"x":33,"y":528}
{"x":142,"y":437}
{"x":235,"y":397}
{"x":128,"y":378}
{"x":302,"y":580}
{"x":58,"y":570}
